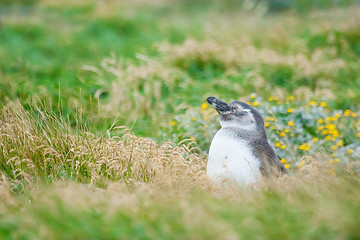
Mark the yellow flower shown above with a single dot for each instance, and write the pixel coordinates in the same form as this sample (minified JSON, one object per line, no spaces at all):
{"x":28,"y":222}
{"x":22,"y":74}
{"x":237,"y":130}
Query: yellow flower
{"x":282,"y":134}
{"x":324,"y":132}
{"x":194,"y":119}
{"x":331,"y":161}
{"x":204,"y":106}
{"x":320,"y":128}
{"x":305,"y":147}
{"x":283,"y":147}
{"x":290,"y":110}
{"x":286,"y":130}
{"x":320,"y":121}
{"x":253,"y":95}
{"x":287,"y":165}
{"x":291,"y":98}
{"x":339,"y":143}
{"x":291,"y":123}
{"x":315,"y":139}
{"x":266,"y":124}
{"x":335,"y":133}
{"x":255,"y":103}
{"x":328,"y":119}
{"x":312,"y":103}
{"x":353,"y":114}
{"x":350,"y":151}
{"x":192,"y":139}
{"x":172,"y":123}
{"x":283,"y":160}
{"x":347,"y":113}
{"x":277,"y":144}
{"x":330,"y":126}
{"x":334,"y":147}
{"x":328,"y":138}
{"x":323,"y":104}
{"x":336,"y":160}
{"x":358,"y":135}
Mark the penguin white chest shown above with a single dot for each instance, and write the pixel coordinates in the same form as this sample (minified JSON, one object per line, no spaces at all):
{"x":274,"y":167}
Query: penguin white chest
{"x":232,"y":159}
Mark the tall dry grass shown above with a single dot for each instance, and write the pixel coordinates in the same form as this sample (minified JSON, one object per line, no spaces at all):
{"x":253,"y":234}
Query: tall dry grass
{"x":137,"y":90}
{"x":37,"y":145}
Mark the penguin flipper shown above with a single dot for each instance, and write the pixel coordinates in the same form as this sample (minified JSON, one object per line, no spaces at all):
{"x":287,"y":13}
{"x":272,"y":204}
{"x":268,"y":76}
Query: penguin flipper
{"x":271,"y":164}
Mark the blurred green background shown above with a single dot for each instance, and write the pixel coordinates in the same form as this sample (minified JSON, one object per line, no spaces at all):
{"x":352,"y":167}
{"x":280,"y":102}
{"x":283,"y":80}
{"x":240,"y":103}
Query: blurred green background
{"x":63,"y":54}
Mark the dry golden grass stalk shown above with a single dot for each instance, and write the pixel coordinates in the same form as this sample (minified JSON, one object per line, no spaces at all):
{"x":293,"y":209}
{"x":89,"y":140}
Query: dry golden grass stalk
{"x":38,"y":146}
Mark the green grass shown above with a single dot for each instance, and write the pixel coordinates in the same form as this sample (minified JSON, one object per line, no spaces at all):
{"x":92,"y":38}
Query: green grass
{"x":104,"y":125}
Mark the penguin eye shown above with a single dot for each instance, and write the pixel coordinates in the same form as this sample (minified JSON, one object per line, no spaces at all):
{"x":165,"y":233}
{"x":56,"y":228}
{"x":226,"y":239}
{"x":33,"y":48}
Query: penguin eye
{"x":234,"y":109}
{"x":245,"y":111}
{"x":242,"y":112}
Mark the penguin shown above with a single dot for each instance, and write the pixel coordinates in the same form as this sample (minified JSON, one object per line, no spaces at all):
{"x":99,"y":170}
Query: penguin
{"x":240,"y":151}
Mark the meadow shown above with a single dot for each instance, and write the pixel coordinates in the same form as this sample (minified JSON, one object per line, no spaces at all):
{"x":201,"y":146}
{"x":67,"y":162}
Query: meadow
{"x":104,"y":125}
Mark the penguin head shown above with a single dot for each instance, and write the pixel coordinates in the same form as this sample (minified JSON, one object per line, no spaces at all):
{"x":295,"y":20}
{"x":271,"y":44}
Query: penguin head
{"x":237,"y":115}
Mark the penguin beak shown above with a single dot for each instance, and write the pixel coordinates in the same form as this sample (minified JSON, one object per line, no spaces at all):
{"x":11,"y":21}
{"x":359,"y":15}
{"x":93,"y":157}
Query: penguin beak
{"x":220,"y":106}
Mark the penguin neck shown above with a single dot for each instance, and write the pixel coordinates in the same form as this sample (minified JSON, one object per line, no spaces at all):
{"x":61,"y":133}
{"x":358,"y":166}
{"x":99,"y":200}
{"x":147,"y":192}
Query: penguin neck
{"x":234,"y":125}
